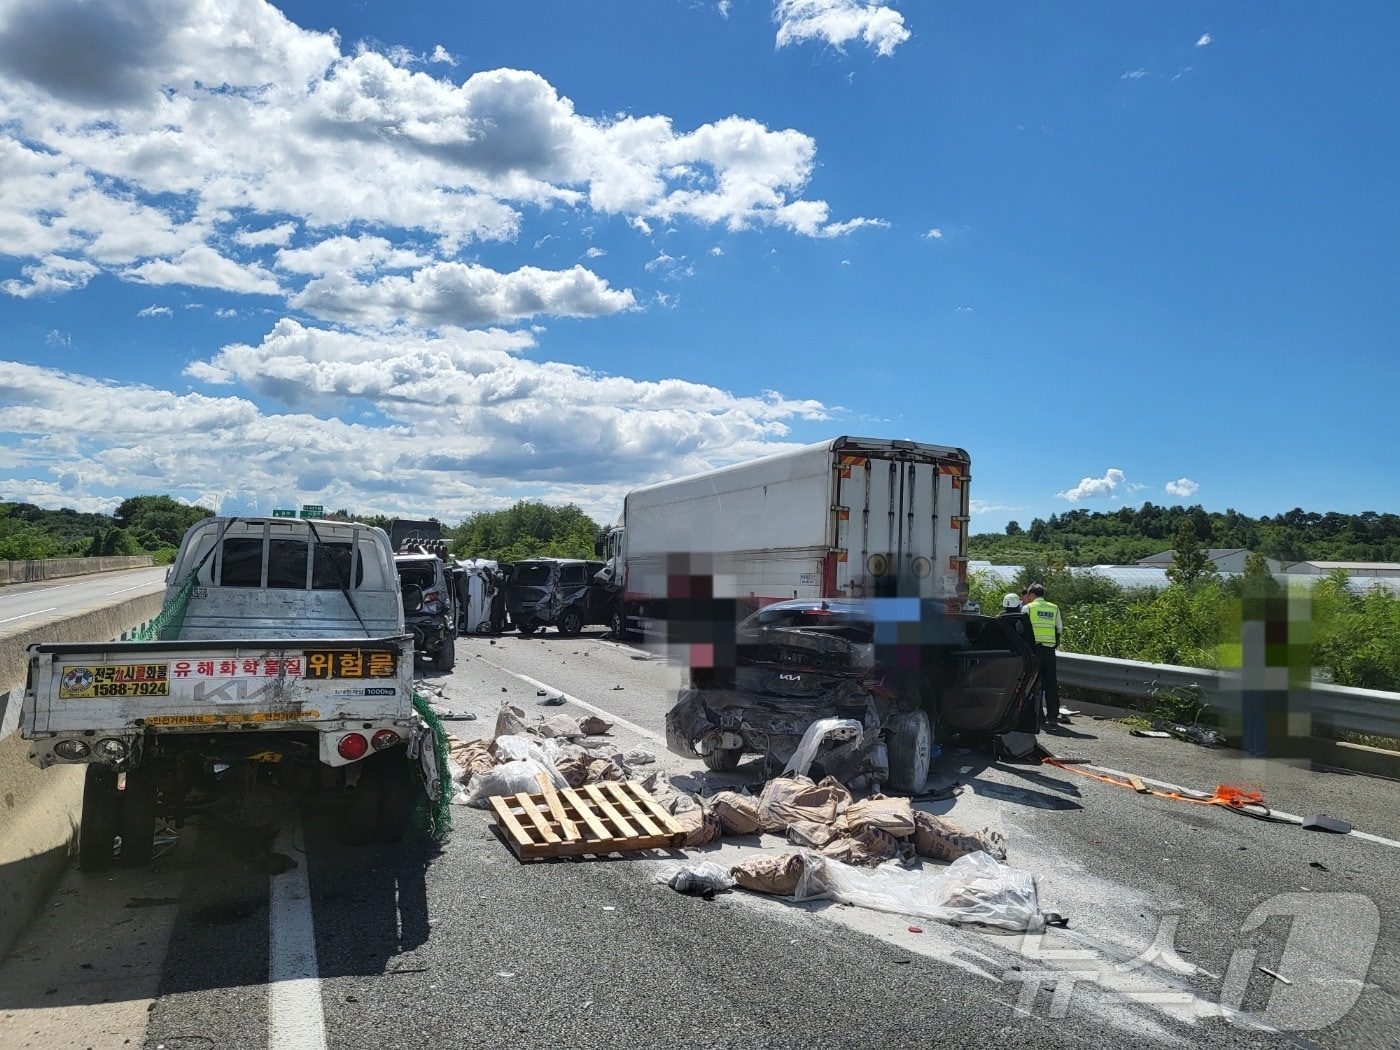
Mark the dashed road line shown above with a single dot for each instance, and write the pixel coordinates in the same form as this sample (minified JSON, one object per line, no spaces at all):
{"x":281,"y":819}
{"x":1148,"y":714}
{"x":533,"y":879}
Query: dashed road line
{"x":295,"y":1015}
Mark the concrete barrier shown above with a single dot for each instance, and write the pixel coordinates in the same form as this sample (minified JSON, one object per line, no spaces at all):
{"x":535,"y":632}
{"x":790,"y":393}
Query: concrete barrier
{"x":39,"y":808}
{"x":57,"y":568}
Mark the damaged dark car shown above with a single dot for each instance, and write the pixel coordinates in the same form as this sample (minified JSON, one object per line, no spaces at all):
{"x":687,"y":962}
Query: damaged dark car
{"x":905,"y":670}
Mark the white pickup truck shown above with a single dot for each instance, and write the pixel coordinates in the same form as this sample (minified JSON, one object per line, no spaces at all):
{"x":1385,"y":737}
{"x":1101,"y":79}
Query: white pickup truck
{"x":279,"y":669}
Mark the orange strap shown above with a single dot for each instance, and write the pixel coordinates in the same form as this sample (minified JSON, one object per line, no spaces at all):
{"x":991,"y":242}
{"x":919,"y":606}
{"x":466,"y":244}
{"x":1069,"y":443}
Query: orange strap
{"x":1250,"y":803}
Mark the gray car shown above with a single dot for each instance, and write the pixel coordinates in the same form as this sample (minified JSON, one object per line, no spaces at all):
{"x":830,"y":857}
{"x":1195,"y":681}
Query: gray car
{"x":429,"y":607}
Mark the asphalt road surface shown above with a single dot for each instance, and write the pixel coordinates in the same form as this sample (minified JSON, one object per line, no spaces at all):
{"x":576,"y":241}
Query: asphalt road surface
{"x":1188,"y":924}
{"x":22,"y":604}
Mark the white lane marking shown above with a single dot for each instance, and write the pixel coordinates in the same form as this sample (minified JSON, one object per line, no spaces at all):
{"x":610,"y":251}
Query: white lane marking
{"x":1290,"y":817}
{"x":21,"y":616}
{"x":295,"y":1016}
{"x":617,"y":719}
{"x":138,"y":587}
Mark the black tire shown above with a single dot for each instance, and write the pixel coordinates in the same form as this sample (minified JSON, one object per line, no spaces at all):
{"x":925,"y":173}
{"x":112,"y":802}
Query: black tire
{"x":909,"y":739}
{"x":382,"y":804}
{"x":362,"y":817}
{"x":136,"y":821}
{"x":97,"y":835}
{"x":617,"y":624}
{"x":723,"y":759}
{"x":446,"y":658}
{"x":570,"y":622}
{"x":395,"y":800}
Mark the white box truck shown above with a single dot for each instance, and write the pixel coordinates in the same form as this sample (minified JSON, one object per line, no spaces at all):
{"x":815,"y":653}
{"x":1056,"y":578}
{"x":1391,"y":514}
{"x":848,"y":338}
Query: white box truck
{"x":846,"y":518}
{"x":280,"y":668}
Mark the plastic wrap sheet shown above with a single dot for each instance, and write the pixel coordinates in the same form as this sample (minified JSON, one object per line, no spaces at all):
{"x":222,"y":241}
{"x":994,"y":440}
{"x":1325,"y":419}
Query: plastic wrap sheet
{"x":973,"y":889}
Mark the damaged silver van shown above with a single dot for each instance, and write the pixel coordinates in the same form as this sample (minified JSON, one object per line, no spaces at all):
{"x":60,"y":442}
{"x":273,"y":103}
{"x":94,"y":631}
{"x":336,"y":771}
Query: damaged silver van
{"x":908,"y":670}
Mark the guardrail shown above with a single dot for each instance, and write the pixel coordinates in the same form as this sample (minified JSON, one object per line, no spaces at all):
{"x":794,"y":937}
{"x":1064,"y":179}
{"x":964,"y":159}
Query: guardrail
{"x":1337,"y":707}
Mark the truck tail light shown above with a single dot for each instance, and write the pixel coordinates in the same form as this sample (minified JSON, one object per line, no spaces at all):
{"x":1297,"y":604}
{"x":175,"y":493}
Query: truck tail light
{"x":384,"y":738}
{"x":352,"y":746}
{"x":112,"y":749}
{"x":72,"y":750}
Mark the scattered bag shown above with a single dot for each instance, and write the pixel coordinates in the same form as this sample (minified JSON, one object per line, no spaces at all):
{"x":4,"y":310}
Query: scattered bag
{"x":594,"y":726}
{"x":810,"y":833}
{"x":559,"y":726}
{"x":512,"y":778}
{"x":701,"y":827}
{"x":473,"y":756}
{"x":638,"y":756}
{"x":788,"y":799}
{"x":699,"y":880}
{"x":894,"y":815}
{"x":770,"y":874}
{"x":509,"y":721}
{"x":737,"y":814}
{"x":869,"y":846}
{"x":943,"y":840}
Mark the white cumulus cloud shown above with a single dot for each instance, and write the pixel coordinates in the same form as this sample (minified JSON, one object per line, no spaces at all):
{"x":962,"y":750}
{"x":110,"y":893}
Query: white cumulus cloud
{"x":1089,"y":488}
{"x":1181,"y":487}
{"x":838,"y":22}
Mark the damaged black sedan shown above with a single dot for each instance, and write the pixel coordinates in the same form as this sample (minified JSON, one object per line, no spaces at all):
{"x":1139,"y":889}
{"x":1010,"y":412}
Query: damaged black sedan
{"x":895,"y":674}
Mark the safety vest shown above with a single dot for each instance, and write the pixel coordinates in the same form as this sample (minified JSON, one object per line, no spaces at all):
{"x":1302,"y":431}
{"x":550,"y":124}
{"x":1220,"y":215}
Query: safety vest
{"x":1044,"y":615}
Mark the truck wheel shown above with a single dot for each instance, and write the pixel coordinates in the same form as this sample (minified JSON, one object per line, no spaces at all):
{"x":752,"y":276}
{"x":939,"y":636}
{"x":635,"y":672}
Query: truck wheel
{"x":447,"y":656}
{"x":136,"y":822}
{"x":98,"y":833}
{"x":910,"y":743}
{"x":617,"y":624}
{"x":723,"y":759}
{"x":570,"y":622}
{"x":395,"y":801}
{"x":382,"y":803}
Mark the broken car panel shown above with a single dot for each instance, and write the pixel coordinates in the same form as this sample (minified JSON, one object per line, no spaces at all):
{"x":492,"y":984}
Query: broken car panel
{"x":907,"y":670}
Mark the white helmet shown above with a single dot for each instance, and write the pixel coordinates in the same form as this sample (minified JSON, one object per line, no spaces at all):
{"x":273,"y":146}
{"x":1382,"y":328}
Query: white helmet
{"x":1011,"y":601}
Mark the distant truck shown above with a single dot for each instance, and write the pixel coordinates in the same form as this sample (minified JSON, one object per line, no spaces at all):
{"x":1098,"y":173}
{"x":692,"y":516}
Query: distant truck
{"x":281,"y":670}
{"x":846,"y":518}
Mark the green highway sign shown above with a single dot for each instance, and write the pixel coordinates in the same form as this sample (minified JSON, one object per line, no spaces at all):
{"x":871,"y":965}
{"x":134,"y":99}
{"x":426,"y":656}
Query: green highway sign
{"x":284,"y":514}
{"x":312,"y":510}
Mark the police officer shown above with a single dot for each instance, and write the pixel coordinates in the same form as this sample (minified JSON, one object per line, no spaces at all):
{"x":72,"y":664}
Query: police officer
{"x":1047,"y":627}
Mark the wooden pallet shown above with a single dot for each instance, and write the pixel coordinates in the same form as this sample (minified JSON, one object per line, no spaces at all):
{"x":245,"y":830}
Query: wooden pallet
{"x":611,"y":817}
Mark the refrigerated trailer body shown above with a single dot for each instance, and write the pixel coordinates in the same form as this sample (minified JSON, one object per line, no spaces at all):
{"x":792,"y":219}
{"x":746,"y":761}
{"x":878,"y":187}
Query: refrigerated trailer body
{"x":845,"y":518}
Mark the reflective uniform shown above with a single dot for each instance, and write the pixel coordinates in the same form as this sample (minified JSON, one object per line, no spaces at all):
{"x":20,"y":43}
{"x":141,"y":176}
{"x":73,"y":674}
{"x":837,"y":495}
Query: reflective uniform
{"x":1047,"y":627}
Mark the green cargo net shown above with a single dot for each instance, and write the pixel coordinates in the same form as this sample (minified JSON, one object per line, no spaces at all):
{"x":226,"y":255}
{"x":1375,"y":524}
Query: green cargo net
{"x":171,"y":619}
{"x":435,"y":818}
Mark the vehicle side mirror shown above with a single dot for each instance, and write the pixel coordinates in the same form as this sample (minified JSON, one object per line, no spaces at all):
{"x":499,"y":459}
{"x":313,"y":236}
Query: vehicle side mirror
{"x":412,"y":598}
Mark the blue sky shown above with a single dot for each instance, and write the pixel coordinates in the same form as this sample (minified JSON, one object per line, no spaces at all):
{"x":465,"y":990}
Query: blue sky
{"x":433,"y":258}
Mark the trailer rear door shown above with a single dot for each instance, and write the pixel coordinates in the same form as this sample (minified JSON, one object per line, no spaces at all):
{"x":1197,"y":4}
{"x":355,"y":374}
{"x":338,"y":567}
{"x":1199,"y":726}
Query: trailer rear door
{"x":901,"y":516}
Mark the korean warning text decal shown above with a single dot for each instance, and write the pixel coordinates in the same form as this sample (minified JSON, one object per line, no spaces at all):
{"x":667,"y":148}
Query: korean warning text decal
{"x":350,"y":663}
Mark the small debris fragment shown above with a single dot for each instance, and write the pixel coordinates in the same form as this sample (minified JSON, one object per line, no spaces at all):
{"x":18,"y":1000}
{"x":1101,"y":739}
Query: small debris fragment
{"x":504,"y":973}
{"x":1318,"y":864}
{"x":609,"y":907}
{"x":1154,"y":733}
{"x":552,"y":701}
{"x":916,"y":929}
{"x":1321,"y":822}
{"x":1275,"y":976}
{"x":617,"y":689}
{"x":540,"y":692}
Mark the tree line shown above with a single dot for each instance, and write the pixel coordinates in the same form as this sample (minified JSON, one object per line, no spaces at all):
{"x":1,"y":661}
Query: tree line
{"x":154,"y":525}
{"x":1122,"y":537}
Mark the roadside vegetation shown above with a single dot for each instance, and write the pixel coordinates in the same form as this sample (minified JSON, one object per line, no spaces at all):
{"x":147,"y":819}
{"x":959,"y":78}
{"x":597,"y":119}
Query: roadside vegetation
{"x":1194,"y":621}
